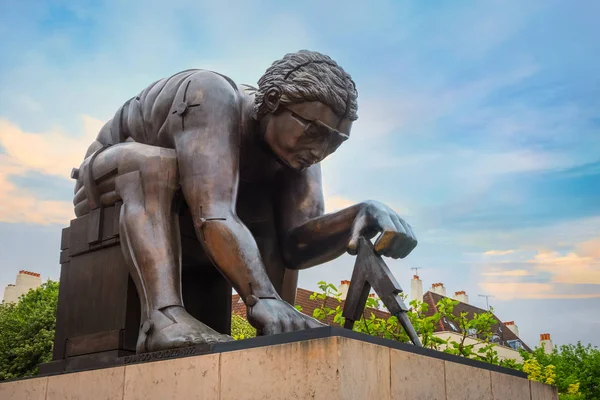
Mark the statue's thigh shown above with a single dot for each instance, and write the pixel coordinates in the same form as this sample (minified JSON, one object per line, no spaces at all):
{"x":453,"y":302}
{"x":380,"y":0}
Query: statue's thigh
{"x":113,"y":162}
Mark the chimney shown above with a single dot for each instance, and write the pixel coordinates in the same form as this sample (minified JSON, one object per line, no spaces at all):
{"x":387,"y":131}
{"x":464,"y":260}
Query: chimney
{"x":461,"y":296}
{"x":416,"y":288}
{"x":546,"y":343}
{"x":10,"y":294}
{"x":28,"y":278}
{"x":514,"y":328}
{"x":25,"y":282}
{"x":343,"y":289}
{"x":439,"y":289}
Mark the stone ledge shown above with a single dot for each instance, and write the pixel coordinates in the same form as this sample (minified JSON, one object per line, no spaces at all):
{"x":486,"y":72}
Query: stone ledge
{"x":285,"y":338}
{"x":289,"y":366}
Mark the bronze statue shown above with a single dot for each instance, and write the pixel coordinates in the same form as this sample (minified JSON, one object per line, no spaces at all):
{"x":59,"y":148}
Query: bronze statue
{"x":238,"y":156}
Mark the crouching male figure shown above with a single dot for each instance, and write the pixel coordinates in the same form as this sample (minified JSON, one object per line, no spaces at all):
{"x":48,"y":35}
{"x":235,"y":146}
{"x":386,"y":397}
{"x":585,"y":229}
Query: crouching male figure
{"x":241,"y":158}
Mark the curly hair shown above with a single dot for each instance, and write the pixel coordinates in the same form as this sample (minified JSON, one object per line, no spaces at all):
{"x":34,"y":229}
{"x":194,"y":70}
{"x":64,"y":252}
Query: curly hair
{"x":309,"y":76}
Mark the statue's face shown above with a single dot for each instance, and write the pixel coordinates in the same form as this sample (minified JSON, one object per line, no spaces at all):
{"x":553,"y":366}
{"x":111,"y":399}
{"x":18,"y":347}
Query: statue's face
{"x":304,"y":134}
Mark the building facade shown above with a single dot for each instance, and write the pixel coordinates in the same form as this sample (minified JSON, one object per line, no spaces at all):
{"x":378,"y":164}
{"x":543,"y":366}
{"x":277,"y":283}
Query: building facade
{"x":26,"y":281}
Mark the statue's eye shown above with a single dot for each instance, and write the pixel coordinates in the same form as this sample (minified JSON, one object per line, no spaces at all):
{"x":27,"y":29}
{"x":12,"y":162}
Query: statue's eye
{"x":299,"y":118}
{"x":313,"y":131}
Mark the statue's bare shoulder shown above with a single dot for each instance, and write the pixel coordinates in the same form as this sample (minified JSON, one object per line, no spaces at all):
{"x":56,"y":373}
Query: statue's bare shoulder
{"x":159,"y":111}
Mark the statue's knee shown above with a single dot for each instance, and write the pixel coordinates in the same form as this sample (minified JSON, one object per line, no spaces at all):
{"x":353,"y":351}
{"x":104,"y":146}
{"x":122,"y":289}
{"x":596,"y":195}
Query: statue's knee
{"x":155,"y":176}
{"x":161,"y":170}
{"x":129,"y":186}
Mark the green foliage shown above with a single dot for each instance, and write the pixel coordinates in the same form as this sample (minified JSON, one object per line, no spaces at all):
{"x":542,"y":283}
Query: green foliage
{"x":425,"y":325}
{"x":323,"y":311}
{"x":27,"y":332}
{"x":536,"y":372}
{"x":510,"y":363}
{"x":569,"y":396}
{"x":390,"y":328}
{"x":477,"y":326}
{"x":576,"y":370}
{"x":241,"y":329}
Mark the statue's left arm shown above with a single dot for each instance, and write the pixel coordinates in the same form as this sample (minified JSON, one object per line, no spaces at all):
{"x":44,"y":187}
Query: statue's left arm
{"x":310,"y":238}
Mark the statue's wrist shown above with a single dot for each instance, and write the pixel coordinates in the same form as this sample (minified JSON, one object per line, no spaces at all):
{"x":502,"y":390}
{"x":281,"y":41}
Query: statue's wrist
{"x":251,"y":300}
{"x":262,"y":291}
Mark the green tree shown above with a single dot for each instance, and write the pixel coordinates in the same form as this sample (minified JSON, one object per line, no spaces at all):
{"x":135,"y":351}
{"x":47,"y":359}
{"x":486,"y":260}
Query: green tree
{"x":27,"y":331}
{"x":476,"y":326}
{"x":425,"y":325}
{"x":390,"y":328}
{"x":576,"y":370}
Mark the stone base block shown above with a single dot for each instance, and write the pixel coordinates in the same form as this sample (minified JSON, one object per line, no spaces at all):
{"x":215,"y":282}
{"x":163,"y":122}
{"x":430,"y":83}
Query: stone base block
{"x":324,"y":364}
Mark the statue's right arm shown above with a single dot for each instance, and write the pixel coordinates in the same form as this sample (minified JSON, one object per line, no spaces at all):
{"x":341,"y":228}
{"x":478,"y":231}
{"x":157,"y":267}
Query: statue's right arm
{"x":208,"y":157}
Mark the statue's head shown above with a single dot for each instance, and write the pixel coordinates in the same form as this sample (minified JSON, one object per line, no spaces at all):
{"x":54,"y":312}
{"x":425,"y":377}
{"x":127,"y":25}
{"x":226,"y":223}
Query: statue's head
{"x":305,"y":103}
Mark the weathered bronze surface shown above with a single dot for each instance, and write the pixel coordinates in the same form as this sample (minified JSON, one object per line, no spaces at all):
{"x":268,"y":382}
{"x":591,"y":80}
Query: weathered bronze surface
{"x":370,"y":271}
{"x":244,"y":163}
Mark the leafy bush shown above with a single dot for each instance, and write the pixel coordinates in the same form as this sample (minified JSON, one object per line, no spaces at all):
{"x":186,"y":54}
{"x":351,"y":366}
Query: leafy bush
{"x":575,"y":370}
{"x":390,"y":328}
{"x":241,"y":329}
{"x":27,"y":332}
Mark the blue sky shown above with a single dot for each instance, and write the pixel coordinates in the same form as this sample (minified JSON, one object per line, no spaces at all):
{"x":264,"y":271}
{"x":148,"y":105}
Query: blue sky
{"x":479,"y":122}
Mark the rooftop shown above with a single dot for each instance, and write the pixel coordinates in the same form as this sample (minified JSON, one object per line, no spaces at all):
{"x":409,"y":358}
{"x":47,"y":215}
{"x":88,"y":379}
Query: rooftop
{"x":503,"y":335}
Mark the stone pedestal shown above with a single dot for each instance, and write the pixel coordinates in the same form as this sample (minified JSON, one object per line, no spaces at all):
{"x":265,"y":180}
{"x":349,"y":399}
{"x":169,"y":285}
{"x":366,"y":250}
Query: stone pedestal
{"x":325,"y":363}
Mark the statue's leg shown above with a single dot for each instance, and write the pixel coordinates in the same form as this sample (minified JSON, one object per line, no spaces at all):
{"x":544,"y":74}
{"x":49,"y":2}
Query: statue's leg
{"x":256,"y":208}
{"x":145,"y":178}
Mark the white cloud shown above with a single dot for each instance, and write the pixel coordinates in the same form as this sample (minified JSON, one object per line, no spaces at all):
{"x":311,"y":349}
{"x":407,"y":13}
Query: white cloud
{"x":548,"y":274}
{"x":18,"y":206}
{"x":589,"y":248}
{"x":570,"y":268}
{"x":498,"y":252}
{"x":512,"y":272}
{"x":533,"y":238}
{"x":526,"y":290}
{"x":52,"y":153}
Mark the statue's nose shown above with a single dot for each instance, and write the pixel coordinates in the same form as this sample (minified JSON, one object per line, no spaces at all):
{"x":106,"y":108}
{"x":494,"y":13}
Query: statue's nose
{"x":315,"y":157}
{"x":319,"y":152}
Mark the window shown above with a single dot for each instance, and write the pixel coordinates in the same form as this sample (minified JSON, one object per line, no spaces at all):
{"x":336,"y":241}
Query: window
{"x":451,"y":325}
{"x":515,"y":344}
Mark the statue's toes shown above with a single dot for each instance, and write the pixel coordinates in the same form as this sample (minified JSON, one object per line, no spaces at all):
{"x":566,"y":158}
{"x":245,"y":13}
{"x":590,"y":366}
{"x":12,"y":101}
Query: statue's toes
{"x":210,"y":338}
{"x":218,"y":338}
{"x":224,"y":339}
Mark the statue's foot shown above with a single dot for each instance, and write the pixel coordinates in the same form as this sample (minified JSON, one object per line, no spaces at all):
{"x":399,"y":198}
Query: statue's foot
{"x":173,"y":327}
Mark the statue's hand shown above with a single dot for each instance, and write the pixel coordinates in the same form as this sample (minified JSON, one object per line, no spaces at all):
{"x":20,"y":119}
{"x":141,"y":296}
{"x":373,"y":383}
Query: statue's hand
{"x":272,"y":316}
{"x":397,"y":239}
